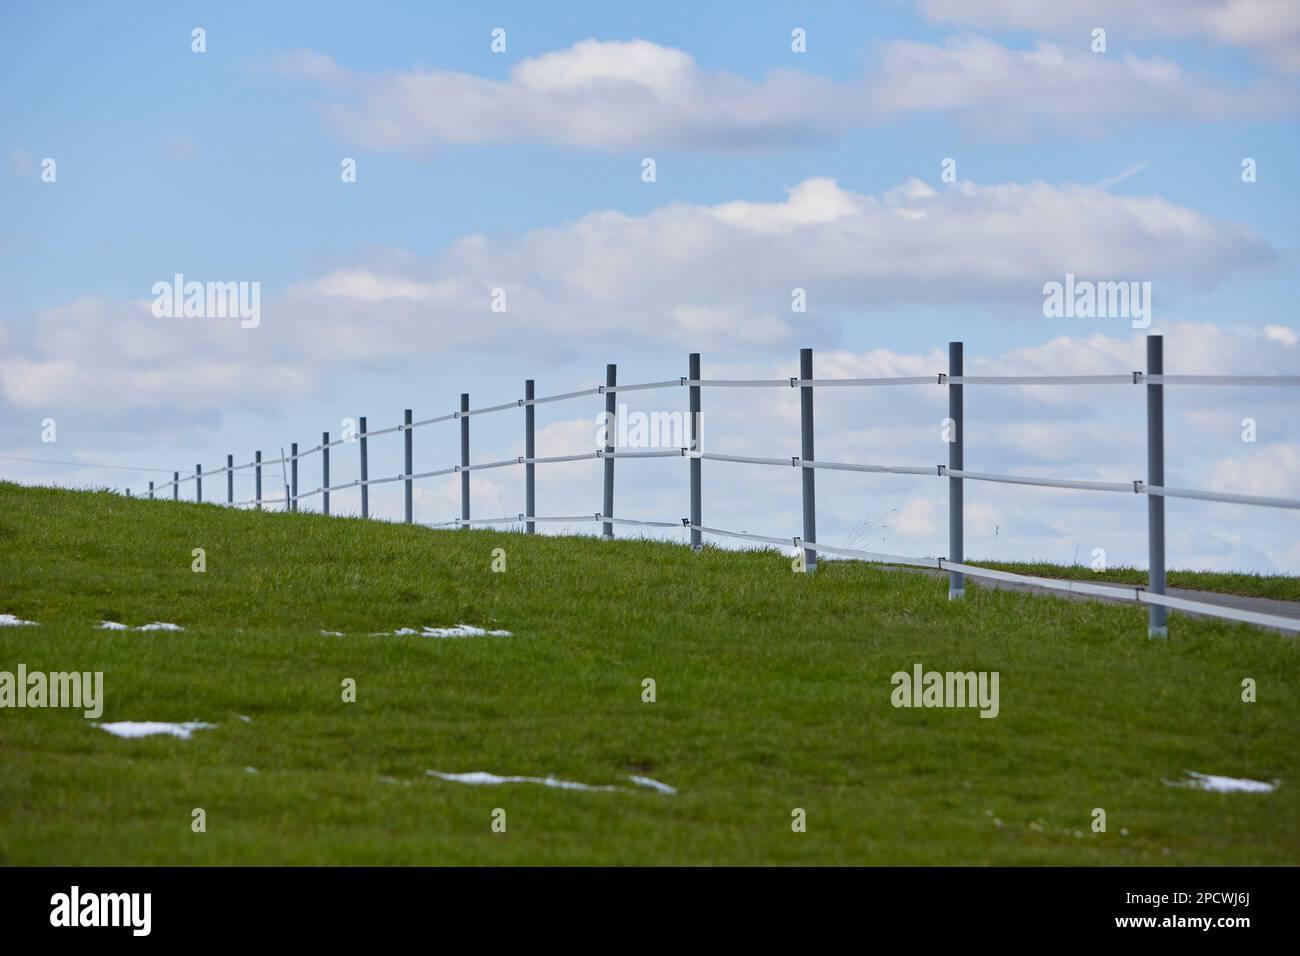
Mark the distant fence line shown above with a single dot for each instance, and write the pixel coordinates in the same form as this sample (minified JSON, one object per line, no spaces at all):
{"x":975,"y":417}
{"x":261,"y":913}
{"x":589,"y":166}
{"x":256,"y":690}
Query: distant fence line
{"x":1153,"y":594}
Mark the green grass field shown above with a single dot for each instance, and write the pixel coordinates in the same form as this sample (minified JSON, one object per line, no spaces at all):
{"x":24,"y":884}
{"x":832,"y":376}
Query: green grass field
{"x":773,"y":693}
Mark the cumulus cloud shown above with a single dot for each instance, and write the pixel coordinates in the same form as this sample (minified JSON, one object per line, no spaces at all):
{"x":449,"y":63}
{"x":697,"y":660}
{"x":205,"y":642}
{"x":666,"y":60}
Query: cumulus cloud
{"x":1273,"y":469}
{"x":104,"y":355}
{"x":1010,"y":90}
{"x":605,"y":95}
{"x":1282,"y":335}
{"x":634,"y":94}
{"x":708,"y":276}
{"x":724,"y":273}
{"x":1269,"y":29}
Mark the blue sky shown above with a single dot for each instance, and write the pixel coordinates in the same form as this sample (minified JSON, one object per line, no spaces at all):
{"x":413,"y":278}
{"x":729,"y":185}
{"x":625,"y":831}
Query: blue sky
{"x":225,"y":166}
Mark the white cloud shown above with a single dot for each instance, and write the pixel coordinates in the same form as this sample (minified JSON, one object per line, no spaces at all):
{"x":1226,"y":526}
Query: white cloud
{"x":920,"y":518}
{"x":114,"y":357}
{"x":638,"y":95}
{"x":1270,"y":469}
{"x":364,"y":285}
{"x":568,"y":437}
{"x":711,"y":277}
{"x":1267,"y":28}
{"x":1281,"y":335}
{"x":316,"y":67}
{"x":606,"y":95}
{"x":1010,"y":90}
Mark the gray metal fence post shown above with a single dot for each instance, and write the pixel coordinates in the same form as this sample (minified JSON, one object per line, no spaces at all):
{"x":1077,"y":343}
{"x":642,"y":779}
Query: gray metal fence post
{"x":410,"y":466}
{"x":809,"y":481}
{"x":365,"y":473}
{"x":325,"y":472}
{"x":697,"y":515}
{"x":198,"y":483}
{"x":464,"y":459}
{"x":151,"y":490}
{"x":530,"y":452}
{"x":293,"y":477}
{"x":230,"y":479}
{"x":176,"y":486}
{"x":257,"y":479}
{"x":607,"y":509}
{"x":1157,"y":622}
{"x":956,"y":457}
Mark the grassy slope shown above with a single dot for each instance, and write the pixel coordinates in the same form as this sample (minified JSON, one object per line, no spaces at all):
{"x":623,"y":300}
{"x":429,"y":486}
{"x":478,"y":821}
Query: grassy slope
{"x":773,"y":693}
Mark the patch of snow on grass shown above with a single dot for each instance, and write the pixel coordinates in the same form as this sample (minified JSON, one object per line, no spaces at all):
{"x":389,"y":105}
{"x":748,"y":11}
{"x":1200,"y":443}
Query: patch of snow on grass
{"x":460,"y":630}
{"x":155,"y":626}
{"x":463,"y":630}
{"x":148,"y":728}
{"x":481,"y":778}
{"x":652,"y":784}
{"x":1217,"y":784}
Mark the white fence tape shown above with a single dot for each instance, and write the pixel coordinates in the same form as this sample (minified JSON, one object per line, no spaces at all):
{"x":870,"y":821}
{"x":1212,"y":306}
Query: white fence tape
{"x":1127,"y":486}
{"x":1222,"y":496}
